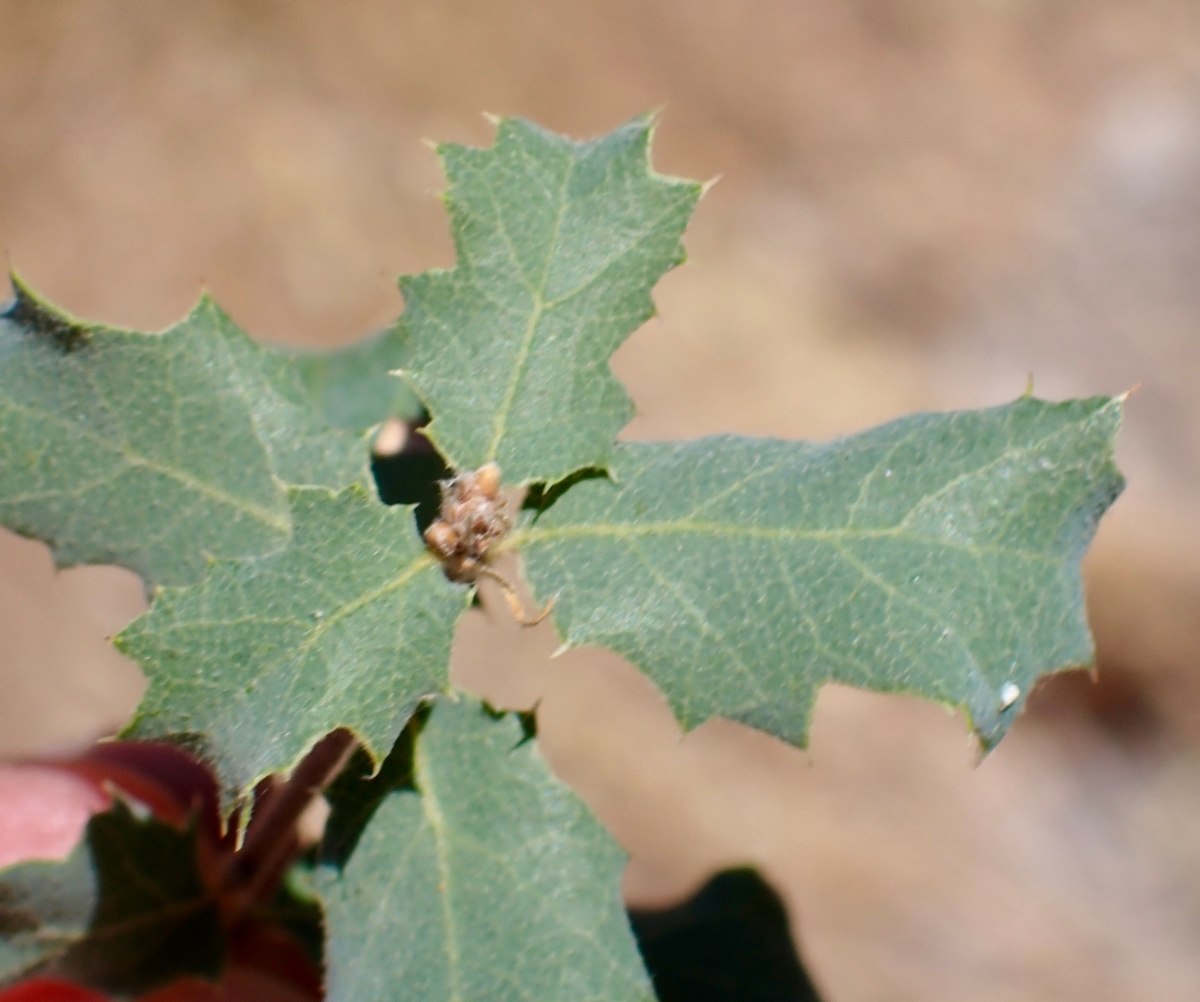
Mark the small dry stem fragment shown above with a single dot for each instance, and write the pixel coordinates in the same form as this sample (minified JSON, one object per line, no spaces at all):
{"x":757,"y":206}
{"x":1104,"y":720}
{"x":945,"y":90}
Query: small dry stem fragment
{"x":474,"y":516}
{"x":514,"y":601}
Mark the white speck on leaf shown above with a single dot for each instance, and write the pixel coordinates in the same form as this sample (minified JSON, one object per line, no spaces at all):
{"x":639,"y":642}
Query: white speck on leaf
{"x":1009,"y":695}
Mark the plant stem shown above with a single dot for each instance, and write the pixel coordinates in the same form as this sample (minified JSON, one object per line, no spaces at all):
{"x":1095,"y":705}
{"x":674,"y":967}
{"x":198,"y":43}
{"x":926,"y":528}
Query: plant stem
{"x":272,"y":842}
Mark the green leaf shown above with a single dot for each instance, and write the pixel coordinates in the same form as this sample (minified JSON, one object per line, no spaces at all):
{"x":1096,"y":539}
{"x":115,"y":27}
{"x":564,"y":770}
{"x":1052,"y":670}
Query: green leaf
{"x":354,"y":387}
{"x":480,"y":876}
{"x":126,"y":911}
{"x":44,"y":908}
{"x":936,"y":555}
{"x":559,"y":244}
{"x":154,"y":919}
{"x":155,"y":451}
{"x":349,"y":626}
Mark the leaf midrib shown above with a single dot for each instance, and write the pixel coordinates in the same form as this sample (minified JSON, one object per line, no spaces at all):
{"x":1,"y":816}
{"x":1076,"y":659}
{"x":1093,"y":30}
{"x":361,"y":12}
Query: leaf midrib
{"x":437,"y":825}
{"x":533,"y":535}
{"x":500,"y":425}
{"x":686,"y":523}
{"x":313,"y":633}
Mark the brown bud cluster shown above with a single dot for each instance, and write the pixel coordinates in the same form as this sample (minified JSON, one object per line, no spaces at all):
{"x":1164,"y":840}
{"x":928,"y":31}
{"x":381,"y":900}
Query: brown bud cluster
{"x":471,"y":519}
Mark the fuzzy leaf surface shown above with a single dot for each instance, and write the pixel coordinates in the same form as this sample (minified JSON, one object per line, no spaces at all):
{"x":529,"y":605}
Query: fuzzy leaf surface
{"x":354,"y":387}
{"x":349,"y":626}
{"x":484,"y":877}
{"x":155,"y":451}
{"x":559,"y":244}
{"x":937,"y":555}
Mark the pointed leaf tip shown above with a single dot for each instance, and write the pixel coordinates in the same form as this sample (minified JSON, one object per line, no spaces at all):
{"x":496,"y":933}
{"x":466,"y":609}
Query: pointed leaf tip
{"x":938,"y":555}
{"x":559,"y":244}
{"x":348,"y":626}
{"x":153,"y":451}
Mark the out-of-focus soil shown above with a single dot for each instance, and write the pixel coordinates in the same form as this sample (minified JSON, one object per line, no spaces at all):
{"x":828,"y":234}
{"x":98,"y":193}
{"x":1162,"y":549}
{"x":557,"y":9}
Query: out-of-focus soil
{"x":922,"y":202}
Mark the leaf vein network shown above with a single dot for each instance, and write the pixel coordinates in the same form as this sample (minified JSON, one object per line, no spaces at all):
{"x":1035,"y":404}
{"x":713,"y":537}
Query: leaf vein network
{"x":500,"y":423}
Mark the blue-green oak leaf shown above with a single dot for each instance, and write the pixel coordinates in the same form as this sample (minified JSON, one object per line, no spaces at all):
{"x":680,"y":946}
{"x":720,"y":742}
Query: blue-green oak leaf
{"x":157,"y":452}
{"x":354,"y":386}
{"x":479,"y":875}
{"x":559,"y":244}
{"x":349,"y":625}
{"x":937,"y":555}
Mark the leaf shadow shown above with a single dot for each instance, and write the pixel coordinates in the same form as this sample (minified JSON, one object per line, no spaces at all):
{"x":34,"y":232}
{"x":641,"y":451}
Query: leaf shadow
{"x":730,"y":942}
{"x":541,"y":497}
{"x":359,"y":789}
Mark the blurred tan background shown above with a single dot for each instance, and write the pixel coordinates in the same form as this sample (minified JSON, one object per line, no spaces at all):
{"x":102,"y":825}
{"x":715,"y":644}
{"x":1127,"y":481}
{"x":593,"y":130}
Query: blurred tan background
{"x":922,"y":202}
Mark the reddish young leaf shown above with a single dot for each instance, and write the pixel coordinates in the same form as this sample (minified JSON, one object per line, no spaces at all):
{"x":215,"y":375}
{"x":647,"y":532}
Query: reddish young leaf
{"x":171,"y":783}
{"x":50,"y":990}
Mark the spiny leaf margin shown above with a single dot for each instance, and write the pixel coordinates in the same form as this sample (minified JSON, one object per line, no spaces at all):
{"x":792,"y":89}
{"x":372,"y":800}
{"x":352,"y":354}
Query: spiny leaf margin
{"x":937,"y":555}
{"x":156,"y":452}
{"x":559,"y":244}
{"x":492,"y":873}
{"x":349,"y":626}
